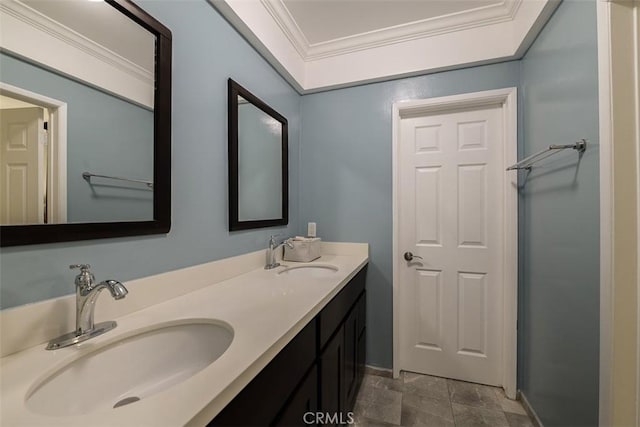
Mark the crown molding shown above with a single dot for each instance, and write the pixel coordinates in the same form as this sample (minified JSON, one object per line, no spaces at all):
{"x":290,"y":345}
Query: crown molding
{"x":288,"y":25}
{"x":459,"y":21}
{"x":34,"y":36}
{"x":480,"y":36}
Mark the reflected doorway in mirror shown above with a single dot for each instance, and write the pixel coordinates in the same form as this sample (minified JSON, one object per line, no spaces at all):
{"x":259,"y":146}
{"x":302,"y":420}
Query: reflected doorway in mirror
{"x":32,"y":158}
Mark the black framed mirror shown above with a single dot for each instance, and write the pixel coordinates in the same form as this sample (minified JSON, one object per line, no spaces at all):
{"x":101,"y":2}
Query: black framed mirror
{"x":100,"y":165}
{"x":258,"y":162}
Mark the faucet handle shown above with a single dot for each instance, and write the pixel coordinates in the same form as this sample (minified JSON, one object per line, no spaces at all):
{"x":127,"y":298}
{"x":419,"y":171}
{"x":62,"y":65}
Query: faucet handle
{"x":85,"y":279}
{"x":272,"y":240}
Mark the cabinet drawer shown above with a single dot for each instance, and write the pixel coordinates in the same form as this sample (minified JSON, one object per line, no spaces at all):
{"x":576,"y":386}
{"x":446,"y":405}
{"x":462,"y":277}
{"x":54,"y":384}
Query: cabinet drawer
{"x":261,"y":400}
{"x":333,"y":315}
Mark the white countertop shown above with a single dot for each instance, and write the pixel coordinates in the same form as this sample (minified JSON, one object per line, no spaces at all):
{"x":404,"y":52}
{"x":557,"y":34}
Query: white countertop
{"x":265,"y":310}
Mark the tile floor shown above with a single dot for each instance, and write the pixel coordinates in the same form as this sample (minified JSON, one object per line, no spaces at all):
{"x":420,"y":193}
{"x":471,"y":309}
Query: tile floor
{"x":423,"y":400}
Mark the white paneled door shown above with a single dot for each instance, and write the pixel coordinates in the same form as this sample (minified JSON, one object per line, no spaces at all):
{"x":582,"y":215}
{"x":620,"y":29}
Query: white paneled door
{"x":451,"y":243}
{"x":22,"y":185}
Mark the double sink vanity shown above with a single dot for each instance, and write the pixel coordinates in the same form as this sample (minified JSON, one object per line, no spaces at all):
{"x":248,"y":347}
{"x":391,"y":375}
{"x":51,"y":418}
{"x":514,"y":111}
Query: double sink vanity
{"x":228,"y":342}
{"x":244,"y":346}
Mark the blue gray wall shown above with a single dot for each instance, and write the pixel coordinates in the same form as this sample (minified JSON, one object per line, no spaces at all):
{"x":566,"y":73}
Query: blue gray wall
{"x":346,"y":173}
{"x":100,"y":128}
{"x":206,"y":51}
{"x":559,"y":287}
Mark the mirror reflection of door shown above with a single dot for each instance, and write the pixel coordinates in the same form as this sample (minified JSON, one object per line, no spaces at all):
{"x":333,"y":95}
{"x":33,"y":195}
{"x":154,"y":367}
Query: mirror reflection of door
{"x":32,"y":158}
{"x":22,"y":165}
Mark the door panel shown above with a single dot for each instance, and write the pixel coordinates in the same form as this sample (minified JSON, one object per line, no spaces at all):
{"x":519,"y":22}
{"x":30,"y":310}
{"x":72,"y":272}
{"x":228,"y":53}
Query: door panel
{"x":428,"y":307}
{"x":450,"y":214}
{"x":472,"y":215}
{"x":472,"y":314}
{"x":428,"y":206}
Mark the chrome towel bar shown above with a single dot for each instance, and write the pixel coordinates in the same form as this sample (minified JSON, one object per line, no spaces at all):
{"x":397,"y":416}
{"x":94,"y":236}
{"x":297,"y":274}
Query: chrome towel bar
{"x":87,"y":176}
{"x":528,"y":162}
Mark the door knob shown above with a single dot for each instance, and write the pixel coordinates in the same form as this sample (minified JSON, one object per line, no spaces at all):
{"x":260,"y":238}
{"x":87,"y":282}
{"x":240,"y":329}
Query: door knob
{"x":408,"y":256}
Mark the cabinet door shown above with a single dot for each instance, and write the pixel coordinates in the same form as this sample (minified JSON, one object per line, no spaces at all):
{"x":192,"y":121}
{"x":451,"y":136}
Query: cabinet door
{"x":302,"y":407}
{"x":332,"y":375}
{"x":361,"y":356}
{"x":350,"y":360}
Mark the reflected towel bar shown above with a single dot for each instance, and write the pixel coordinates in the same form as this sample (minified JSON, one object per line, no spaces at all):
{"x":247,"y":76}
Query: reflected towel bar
{"x":528,"y":162}
{"x":87,"y":176}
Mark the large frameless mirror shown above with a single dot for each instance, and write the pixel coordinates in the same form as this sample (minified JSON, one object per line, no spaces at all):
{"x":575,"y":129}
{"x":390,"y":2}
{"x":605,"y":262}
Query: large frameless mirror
{"x":258,"y":162}
{"x":85,"y":113}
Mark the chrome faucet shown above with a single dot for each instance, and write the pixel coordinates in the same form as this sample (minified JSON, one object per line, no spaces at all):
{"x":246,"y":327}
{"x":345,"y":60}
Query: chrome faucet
{"x":271,"y":252}
{"x":87,"y":292}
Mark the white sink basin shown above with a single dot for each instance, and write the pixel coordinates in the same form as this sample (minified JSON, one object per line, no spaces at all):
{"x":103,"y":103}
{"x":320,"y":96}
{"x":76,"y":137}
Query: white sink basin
{"x":310,"y":270}
{"x":131,"y":369}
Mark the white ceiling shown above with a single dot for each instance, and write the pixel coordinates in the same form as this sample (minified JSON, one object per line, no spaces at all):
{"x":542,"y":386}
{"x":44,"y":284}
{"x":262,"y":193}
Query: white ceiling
{"x":324,"y":44}
{"x":326,"y":20}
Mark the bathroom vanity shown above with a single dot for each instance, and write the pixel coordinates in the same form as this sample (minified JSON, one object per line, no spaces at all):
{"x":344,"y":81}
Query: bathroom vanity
{"x":319,"y":371}
{"x":292,"y":341}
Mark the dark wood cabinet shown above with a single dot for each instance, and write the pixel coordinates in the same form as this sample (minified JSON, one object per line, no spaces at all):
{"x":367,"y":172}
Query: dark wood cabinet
{"x":318,"y":372}
{"x":332,"y":375}
{"x":335,"y":312}
{"x":361,"y":347}
{"x":342,"y":363}
{"x":304,"y":401}
{"x":260,"y":402}
{"x":351,"y":383}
